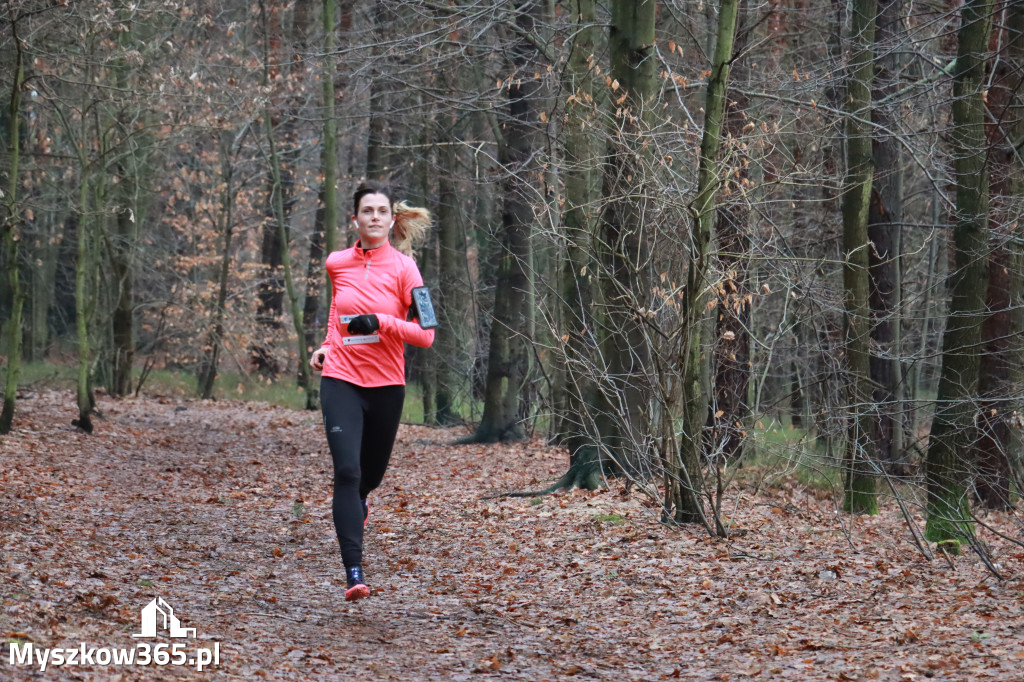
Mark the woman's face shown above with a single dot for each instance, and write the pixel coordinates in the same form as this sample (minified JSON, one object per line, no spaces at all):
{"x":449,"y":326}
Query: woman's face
{"x":373,"y":220}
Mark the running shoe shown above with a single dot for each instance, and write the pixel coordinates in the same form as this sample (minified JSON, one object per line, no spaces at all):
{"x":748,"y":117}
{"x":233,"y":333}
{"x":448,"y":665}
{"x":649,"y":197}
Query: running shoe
{"x":357,"y":588}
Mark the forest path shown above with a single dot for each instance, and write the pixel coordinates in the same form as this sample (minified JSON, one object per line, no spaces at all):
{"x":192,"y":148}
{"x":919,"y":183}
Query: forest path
{"x":223,"y":510}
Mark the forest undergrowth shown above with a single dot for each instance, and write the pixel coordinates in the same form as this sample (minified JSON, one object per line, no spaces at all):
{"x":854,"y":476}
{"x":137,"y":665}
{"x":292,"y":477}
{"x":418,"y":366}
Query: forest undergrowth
{"x":223,"y":510}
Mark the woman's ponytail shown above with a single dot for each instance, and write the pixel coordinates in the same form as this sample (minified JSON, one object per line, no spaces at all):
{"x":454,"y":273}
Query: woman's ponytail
{"x":411,"y":225}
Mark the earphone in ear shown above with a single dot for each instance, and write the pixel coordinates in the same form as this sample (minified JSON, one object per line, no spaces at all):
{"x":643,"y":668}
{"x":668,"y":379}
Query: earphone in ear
{"x":355,"y":225}
{"x":392,"y":222}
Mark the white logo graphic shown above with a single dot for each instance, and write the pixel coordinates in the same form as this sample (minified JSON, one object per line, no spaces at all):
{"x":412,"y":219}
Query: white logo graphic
{"x":170,"y":621}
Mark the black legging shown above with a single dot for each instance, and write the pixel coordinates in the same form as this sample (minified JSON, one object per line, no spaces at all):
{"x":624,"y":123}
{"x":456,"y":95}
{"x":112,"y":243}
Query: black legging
{"x":361,"y":425}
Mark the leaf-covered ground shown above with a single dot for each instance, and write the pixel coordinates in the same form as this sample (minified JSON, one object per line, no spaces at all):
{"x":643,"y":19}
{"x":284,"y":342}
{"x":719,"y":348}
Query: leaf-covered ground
{"x":223,"y":509}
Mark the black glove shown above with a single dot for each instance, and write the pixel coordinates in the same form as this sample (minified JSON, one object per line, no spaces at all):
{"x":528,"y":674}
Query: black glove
{"x":363,"y":324}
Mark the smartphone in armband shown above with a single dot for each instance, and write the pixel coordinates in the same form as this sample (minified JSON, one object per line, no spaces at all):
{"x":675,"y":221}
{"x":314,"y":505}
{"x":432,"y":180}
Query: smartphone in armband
{"x":424,"y":308}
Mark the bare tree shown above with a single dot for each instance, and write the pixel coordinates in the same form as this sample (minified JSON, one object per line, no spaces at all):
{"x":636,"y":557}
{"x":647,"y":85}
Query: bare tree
{"x":949,"y":518}
{"x":860,"y":448}
{"x":507,"y":356}
{"x":996,"y":453}
{"x":685,"y":479}
{"x":11,"y":230}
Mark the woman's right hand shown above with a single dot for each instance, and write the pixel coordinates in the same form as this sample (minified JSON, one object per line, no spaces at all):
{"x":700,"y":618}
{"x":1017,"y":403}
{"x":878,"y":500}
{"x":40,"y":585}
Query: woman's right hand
{"x":317,"y":359}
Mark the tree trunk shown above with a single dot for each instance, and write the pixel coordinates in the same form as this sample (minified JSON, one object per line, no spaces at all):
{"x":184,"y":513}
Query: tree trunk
{"x":579,"y":402}
{"x":947,"y":472}
{"x":281,"y":195}
{"x":124,"y":309}
{"x":687,"y":480}
{"x":452,"y":359}
{"x":1015,"y":447}
{"x":431,"y":357}
{"x":83,"y":268}
{"x":130,"y":192}
{"x":915,"y":382}
{"x":860,"y":457}
{"x":885,"y":221}
{"x":626,"y":257}
{"x":11,"y":239}
{"x":451,"y":354}
{"x":995,"y":448}
{"x":377,"y":162}
{"x":215,"y":336}
{"x":280,"y":183}
{"x":324,"y":239}
{"x":42,"y":283}
{"x":993,"y":428}
{"x":731,"y":355}
{"x":507,"y":359}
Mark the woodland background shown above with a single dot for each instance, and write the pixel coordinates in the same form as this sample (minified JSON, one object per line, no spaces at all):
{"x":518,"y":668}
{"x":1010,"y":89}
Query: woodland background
{"x":671,"y":237}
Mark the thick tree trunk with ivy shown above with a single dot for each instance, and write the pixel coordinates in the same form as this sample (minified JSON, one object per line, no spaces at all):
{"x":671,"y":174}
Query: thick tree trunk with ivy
{"x":685,"y":480}
{"x":952,"y":430}
{"x":860,"y":497}
{"x":11,"y":239}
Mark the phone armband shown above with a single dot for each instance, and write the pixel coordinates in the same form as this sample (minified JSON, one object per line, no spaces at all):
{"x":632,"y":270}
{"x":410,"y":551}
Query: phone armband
{"x":423,"y":308}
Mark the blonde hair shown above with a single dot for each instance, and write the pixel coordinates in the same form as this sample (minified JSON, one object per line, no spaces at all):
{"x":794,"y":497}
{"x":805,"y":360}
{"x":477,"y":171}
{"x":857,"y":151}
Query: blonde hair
{"x":411,"y":225}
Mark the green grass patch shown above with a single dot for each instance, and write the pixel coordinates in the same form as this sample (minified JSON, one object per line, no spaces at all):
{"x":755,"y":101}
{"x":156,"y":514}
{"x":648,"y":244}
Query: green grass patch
{"x":467,"y":410}
{"x":412,"y":410}
{"x":43,"y":375}
{"x":614,"y":519}
{"x":283,"y":391}
{"x":779,"y":450}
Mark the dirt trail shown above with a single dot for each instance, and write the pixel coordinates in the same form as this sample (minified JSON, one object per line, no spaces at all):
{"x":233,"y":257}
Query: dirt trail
{"x":223,"y":510}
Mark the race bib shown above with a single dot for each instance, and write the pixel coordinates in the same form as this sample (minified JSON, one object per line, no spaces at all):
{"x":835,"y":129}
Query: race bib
{"x":354,"y":340}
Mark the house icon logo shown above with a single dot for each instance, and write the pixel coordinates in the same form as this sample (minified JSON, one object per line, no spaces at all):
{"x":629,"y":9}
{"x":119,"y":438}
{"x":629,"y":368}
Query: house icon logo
{"x":168,"y":620}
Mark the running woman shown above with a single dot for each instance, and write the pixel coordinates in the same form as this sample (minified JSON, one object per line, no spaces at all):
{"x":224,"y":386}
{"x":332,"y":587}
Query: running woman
{"x":362,"y":387}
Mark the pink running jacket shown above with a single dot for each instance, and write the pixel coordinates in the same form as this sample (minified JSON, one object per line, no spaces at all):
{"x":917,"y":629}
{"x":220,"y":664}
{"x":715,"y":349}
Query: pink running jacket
{"x":379,"y":281}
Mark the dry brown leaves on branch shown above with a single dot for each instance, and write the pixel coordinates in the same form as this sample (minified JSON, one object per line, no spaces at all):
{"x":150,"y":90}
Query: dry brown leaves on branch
{"x":223,"y":510}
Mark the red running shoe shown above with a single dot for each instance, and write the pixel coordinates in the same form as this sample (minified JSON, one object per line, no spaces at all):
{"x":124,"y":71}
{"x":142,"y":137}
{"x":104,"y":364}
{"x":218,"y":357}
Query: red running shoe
{"x":357,"y":588}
